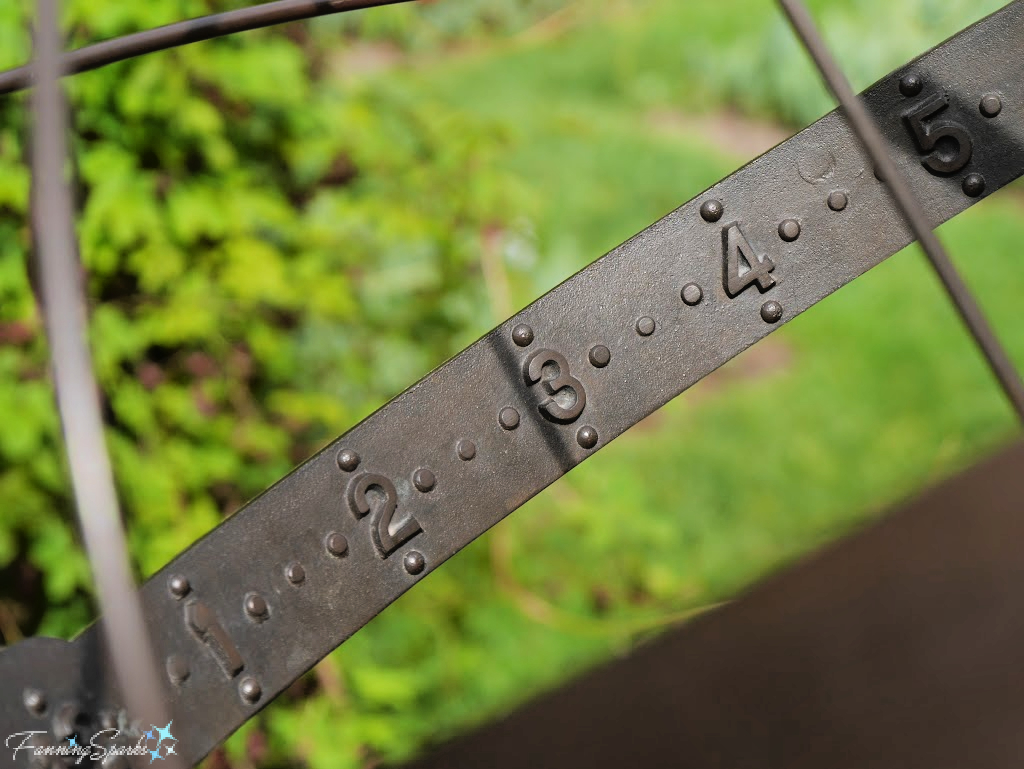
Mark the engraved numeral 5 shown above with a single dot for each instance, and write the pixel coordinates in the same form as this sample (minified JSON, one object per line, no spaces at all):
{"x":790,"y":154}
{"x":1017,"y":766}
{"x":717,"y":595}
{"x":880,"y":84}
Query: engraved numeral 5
{"x":958,"y":145}
{"x":743,"y":266}
{"x":386,"y":540}
{"x":551,"y":370}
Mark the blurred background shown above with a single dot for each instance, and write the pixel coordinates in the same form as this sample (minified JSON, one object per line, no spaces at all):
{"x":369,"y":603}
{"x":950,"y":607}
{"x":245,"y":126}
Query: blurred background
{"x":285,"y":228}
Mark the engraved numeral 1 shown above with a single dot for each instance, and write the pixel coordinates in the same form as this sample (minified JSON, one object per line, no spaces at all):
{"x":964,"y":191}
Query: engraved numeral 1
{"x":743,"y":266}
{"x":201,"y":620}
{"x":386,"y":540}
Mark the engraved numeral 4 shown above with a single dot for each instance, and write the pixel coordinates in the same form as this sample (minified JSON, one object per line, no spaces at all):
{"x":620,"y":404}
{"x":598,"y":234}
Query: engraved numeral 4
{"x":743,"y":266}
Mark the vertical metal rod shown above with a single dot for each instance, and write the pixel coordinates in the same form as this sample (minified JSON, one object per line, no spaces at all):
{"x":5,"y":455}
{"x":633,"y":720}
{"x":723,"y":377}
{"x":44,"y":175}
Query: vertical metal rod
{"x":913,"y":213}
{"x":64,"y":312}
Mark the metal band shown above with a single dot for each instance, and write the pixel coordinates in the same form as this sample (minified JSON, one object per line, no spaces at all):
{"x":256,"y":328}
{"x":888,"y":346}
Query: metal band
{"x":258,"y":601}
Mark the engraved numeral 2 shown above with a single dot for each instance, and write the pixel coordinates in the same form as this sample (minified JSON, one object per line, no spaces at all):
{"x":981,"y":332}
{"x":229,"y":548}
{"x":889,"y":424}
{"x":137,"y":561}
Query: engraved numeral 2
{"x":385,"y":539}
{"x":201,"y":620}
{"x":743,"y":266}
{"x":551,"y":370}
{"x":949,"y":145}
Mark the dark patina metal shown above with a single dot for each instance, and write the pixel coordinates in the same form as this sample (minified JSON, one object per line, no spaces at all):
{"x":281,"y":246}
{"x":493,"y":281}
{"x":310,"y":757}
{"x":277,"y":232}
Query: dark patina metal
{"x":354,"y":515}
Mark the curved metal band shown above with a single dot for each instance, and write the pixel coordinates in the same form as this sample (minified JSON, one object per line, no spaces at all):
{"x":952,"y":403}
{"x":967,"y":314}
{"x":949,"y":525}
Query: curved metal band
{"x":184,"y":32}
{"x":258,"y":601}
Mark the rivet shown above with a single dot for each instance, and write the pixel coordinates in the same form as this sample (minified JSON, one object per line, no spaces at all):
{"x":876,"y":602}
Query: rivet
{"x":522,"y":335}
{"x":256,"y":606}
{"x":250,"y":690}
{"x":974,"y":185}
{"x":508,"y":418}
{"x":911,"y":85}
{"x":789,"y":230}
{"x":35,"y":701}
{"x":712,"y":210}
{"x":414,"y":562}
{"x":600,"y":356}
{"x":348,"y":460}
{"x":294,"y":573}
{"x":692,"y":294}
{"x":466,"y":450}
{"x":177,"y":669}
{"x":337,"y":545}
{"x":771,"y":312}
{"x":586,"y":436}
{"x":645,"y":326}
{"x":424,"y":479}
{"x":178,"y":586}
{"x":838,"y":200}
{"x":991,"y":105}
{"x":69,"y":721}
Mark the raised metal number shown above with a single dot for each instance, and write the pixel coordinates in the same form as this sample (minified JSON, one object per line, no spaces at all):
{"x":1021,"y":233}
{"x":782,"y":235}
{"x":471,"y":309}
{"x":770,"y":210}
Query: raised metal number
{"x":385,"y":539}
{"x":566,"y":396}
{"x":743,"y":266}
{"x":201,"y":620}
{"x":949,"y":144}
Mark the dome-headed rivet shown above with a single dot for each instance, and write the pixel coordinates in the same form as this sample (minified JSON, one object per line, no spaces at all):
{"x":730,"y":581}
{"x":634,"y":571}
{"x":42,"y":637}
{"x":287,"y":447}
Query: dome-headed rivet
{"x":424,"y":480}
{"x":974,"y":185}
{"x":294,"y":573}
{"x":712,"y":210}
{"x":911,"y":85}
{"x":599,"y":356}
{"x":178,"y":586}
{"x":35,"y":701}
{"x":250,"y":690}
{"x":522,"y":335}
{"x":991,"y":105}
{"x":348,"y":460}
{"x":466,"y":450}
{"x":414,"y":562}
{"x":586,"y":436}
{"x":771,"y":312}
{"x":692,"y":294}
{"x":337,"y":544}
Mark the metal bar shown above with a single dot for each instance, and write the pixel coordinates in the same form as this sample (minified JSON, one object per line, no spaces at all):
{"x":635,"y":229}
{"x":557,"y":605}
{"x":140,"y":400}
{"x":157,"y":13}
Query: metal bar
{"x":184,"y":32}
{"x":873,"y":142}
{"x":64,"y":311}
{"x":255,"y":603}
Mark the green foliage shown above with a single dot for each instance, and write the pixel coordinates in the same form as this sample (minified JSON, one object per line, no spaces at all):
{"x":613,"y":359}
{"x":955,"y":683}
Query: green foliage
{"x":278,"y":239}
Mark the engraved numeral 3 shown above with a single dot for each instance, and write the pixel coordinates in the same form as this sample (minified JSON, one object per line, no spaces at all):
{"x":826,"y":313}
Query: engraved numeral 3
{"x":743,"y":267}
{"x":949,"y":144}
{"x":385,"y":539}
{"x":551,"y":370}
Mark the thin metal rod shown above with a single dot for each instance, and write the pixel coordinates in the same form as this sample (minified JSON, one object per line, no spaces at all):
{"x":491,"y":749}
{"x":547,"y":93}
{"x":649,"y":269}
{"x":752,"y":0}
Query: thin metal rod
{"x":913,"y":213}
{"x":64,"y":312}
{"x":185,"y":32}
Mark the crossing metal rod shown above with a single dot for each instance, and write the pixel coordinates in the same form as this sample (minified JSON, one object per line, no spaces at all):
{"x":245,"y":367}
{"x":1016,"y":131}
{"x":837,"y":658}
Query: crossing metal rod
{"x":185,"y":32}
{"x":912,"y":211}
{"x":64,"y":313}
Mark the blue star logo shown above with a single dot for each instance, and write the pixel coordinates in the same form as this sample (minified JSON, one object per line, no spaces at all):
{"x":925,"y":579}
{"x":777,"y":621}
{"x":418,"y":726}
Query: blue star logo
{"x":149,"y":735}
{"x":154,"y":755}
{"x":73,"y":742}
{"x":165,"y":733}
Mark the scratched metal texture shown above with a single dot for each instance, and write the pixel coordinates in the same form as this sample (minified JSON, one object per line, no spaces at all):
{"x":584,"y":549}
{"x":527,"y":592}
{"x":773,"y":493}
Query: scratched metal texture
{"x":256,"y":627}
